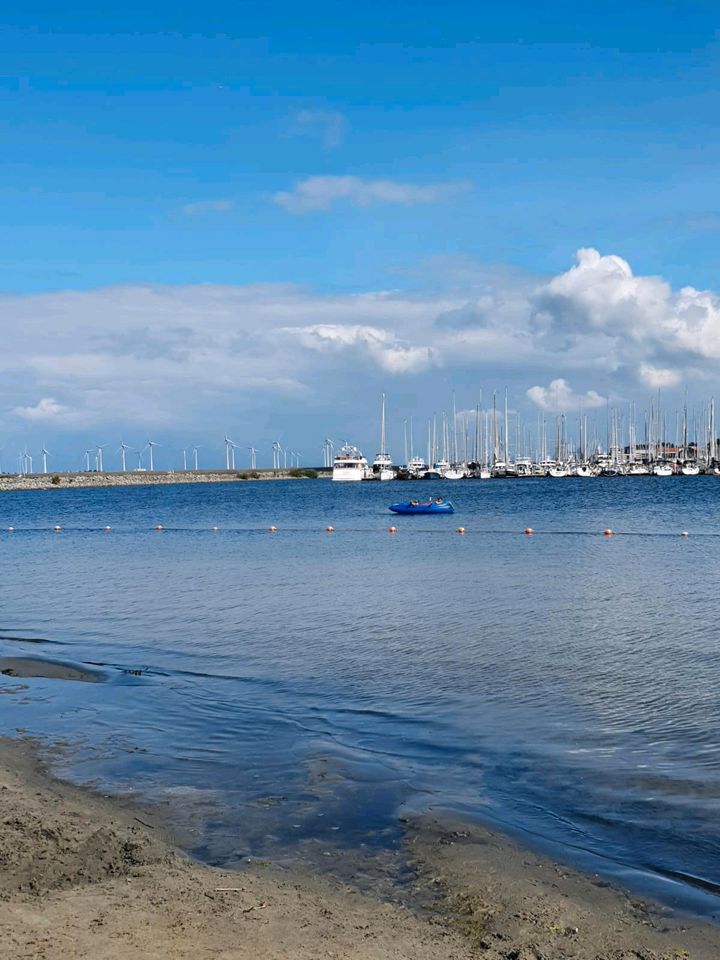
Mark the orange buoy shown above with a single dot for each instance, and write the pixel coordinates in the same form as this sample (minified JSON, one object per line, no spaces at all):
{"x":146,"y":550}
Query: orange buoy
{"x":529,"y":531}
{"x":272,"y":529}
{"x":392,"y":529}
{"x":460,"y":530}
{"x":608,"y":532}
{"x":330,"y":529}
{"x":159,"y":526}
{"x":684,"y":534}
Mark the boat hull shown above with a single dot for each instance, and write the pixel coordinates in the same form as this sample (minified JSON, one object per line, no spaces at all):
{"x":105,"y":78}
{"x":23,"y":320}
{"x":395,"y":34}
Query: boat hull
{"x":413,"y":508}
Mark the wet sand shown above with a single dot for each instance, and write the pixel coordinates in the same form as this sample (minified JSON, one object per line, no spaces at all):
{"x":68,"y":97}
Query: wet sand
{"x":48,"y":669}
{"x":88,"y":876}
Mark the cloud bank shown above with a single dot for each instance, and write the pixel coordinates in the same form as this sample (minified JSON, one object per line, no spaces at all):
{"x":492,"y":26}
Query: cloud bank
{"x":185,"y":357}
{"x":317,"y":194}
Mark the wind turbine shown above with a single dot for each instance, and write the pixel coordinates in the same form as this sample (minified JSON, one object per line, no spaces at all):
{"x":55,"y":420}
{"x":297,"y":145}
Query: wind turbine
{"x":121,"y":450}
{"x":276,"y":451}
{"x":230,"y":448}
{"x":329,"y":449}
{"x":149,"y":448}
{"x":184,"y":453}
{"x":44,"y":458}
{"x":195,"y":458}
{"x":87,"y":460}
{"x":253,"y":458}
{"x":28,"y":463}
{"x":99,"y":457}
{"x":139,"y":455}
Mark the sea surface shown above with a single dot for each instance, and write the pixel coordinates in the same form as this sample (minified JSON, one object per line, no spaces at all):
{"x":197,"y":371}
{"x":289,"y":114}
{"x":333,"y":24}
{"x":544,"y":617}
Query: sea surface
{"x":295,"y":693}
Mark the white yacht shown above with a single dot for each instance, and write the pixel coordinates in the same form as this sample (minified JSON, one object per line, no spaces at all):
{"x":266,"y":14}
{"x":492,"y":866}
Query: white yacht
{"x":524,"y":467}
{"x":349,"y":464}
{"x":381,"y":469}
{"x":662,"y":470}
{"x":455,"y":472}
{"x":416,"y":466}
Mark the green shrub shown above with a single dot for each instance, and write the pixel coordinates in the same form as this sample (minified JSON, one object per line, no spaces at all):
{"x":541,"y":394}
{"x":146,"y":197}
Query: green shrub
{"x":243,"y":476}
{"x":298,"y":474}
{"x":311,"y":474}
{"x":55,"y":479}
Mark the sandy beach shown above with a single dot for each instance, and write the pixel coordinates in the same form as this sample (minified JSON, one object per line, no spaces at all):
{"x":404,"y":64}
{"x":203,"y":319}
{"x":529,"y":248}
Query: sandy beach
{"x":83,"y":875}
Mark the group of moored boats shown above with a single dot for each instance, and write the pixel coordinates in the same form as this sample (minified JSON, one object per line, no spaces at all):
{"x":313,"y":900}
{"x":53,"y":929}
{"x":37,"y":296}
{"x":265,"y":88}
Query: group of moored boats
{"x":493,"y":456}
{"x":350,"y":464}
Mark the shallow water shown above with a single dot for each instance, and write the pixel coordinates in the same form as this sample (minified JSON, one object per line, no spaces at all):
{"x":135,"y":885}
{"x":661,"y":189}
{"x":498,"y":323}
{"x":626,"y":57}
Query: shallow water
{"x":299,"y":691}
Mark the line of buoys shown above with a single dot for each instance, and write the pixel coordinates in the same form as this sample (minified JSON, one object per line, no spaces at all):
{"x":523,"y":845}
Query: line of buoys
{"x":528,"y":531}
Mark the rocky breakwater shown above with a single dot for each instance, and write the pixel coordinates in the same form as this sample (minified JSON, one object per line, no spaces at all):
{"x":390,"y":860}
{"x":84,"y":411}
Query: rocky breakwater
{"x":57,"y":481}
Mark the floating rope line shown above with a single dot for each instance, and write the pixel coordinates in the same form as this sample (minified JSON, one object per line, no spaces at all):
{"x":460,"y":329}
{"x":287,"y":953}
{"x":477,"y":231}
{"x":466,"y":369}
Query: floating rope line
{"x":526,"y":532}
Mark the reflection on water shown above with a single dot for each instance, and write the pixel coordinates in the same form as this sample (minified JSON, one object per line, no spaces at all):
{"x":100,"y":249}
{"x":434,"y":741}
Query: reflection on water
{"x":301,"y":689}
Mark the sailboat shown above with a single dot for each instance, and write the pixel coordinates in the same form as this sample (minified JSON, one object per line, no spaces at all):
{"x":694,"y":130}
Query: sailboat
{"x":382,"y":467}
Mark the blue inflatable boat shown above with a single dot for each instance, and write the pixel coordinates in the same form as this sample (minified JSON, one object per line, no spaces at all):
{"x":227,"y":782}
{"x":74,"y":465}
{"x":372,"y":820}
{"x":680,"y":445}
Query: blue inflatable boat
{"x":414,"y":506}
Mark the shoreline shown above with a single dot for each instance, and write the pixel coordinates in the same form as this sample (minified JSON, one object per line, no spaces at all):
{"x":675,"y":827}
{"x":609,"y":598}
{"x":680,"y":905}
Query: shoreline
{"x":84,"y":875}
{"x":146,"y":478}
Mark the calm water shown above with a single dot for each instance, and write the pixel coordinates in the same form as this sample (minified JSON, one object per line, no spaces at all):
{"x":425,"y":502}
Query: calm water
{"x":299,"y":691}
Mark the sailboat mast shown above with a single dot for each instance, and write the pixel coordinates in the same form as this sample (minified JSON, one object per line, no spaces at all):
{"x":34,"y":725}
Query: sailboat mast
{"x":495,"y":436}
{"x":382,"y":424}
{"x":454,"y":450}
{"x":506,"y":434}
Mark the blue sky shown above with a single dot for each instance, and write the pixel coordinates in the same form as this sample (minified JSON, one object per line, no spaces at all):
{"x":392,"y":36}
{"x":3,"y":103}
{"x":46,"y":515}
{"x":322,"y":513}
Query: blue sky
{"x":316,"y":154}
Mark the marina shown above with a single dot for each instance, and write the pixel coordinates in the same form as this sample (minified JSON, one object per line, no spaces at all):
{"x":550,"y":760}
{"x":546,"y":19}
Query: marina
{"x":482,"y":445}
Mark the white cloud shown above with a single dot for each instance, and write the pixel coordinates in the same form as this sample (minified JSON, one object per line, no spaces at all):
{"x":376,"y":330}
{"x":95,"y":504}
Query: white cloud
{"x":321,"y":193}
{"x":657,"y":377}
{"x":631,"y":317}
{"x":382,"y":346}
{"x":200,"y":207}
{"x":329,"y":126}
{"x":559,"y":397}
{"x":44,"y":410}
